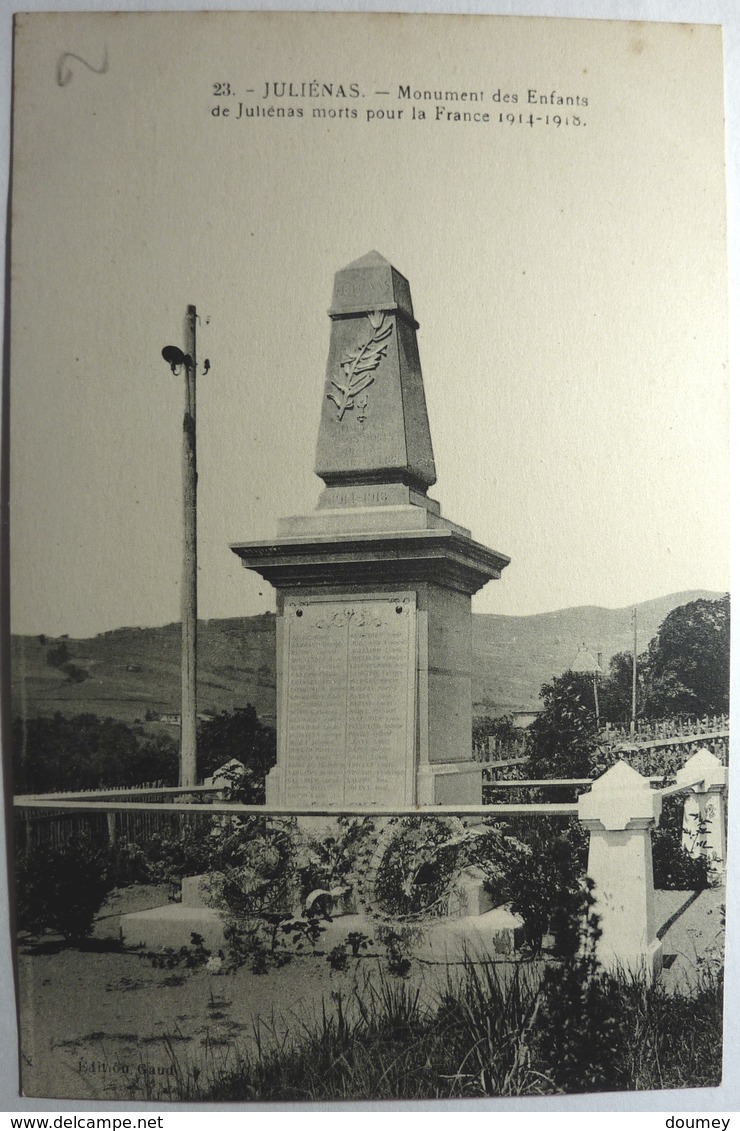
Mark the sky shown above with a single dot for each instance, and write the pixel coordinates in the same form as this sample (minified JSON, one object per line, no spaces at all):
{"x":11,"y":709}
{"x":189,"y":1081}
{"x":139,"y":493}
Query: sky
{"x":569,"y":283}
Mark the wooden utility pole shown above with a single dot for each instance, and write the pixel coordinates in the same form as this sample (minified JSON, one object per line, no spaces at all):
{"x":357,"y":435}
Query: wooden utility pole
{"x":596,"y":698}
{"x":633,"y":719}
{"x":189,"y":596}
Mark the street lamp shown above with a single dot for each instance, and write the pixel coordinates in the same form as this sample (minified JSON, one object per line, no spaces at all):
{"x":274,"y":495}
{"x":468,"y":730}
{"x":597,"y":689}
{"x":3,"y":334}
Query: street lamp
{"x":184,"y":361}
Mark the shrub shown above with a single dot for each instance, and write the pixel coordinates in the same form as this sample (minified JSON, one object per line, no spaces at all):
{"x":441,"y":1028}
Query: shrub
{"x":357,"y":942}
{"x":191,"y":957}
{"x":397,"y":943}
{"x":61,"y":887}
{"x":331,"y":861}
{"x":57,"y":656}
{"x":338,"y":958}
{"x":169,"y":857}
{"x":674,"y":869}
{"x":543,"y":878}
{"x":579,"y":1031}
{"x":75,"y":674}
{"x":129,"y":864}
{"x":238,"y":735}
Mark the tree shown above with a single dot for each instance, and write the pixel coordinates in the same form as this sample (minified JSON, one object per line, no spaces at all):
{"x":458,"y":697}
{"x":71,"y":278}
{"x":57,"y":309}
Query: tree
{"x":685,"y":669}
{"x":562,"y":739}
{"x":615,"y":690}
{"x":688,"y":662}
{"x":501,"y":728}
{"x":241,"y":735}
{"x":85,"y":752}
{"x":58,"y":656}
{"x":75,"y":674}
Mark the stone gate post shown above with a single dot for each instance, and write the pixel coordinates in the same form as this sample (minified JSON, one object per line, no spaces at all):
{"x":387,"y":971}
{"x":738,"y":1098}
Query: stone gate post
{"x":619,"y":812}
{"x":704,"y":823}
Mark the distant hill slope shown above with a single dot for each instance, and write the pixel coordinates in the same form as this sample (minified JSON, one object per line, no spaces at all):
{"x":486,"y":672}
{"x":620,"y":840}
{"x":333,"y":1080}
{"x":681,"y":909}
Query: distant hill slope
{"x":135,"y":670}
{"x":516,"y":655}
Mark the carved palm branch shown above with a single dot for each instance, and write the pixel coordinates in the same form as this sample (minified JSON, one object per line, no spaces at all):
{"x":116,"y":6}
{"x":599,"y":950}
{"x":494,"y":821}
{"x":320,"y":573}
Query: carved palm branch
{"x":359,"y":367}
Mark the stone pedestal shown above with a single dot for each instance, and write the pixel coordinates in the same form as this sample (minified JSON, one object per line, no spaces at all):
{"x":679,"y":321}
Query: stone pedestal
{"x":469,"y":896}
{"x":374,"y":638}
{"x":620,"y":810}
{"x":374,"y":680}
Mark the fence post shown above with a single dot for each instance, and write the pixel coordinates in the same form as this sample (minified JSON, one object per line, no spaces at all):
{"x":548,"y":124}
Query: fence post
{"x":619,"y":811}
{"x":704,"y":827}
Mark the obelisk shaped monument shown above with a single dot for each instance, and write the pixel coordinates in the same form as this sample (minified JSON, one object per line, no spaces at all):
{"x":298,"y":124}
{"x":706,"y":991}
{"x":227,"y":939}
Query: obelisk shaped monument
{"x":374,"y":427}
{"x":374,"y":636}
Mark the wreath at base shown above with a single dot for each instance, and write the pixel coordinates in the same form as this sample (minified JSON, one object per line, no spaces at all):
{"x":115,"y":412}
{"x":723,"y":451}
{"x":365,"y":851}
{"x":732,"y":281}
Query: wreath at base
{"x":409,"y":866}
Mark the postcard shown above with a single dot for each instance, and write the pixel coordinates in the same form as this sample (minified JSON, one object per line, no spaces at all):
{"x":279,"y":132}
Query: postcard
{"x":369,"y":555}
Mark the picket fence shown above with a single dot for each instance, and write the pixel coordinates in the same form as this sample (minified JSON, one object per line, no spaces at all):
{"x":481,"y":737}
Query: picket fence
{"x":48,"y":818}
{"x":657,"y":751}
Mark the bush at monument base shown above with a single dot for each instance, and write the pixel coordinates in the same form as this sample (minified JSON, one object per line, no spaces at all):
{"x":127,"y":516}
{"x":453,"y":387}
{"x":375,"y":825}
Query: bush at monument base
{"x":61,"y":887}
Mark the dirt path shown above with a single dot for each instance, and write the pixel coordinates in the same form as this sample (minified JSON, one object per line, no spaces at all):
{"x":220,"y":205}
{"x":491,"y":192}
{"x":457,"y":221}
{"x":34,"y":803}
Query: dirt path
{"x":691,"y":925}
{"x":100,"y":1023}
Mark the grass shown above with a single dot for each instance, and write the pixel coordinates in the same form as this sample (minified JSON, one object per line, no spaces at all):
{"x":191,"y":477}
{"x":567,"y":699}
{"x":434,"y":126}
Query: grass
{"x":492,"y":1031}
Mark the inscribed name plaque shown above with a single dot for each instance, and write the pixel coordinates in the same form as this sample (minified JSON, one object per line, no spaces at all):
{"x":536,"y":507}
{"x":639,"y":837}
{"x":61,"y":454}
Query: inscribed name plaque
{"x":348,"y":733}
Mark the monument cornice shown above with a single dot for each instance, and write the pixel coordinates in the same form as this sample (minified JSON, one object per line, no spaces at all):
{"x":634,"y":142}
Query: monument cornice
{"x":444,"y":557}
{"x":336,"y":313}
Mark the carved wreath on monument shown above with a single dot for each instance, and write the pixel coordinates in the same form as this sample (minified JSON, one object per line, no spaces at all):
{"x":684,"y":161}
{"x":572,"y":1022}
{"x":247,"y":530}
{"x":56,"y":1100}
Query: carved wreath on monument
{"x":358,"y":367}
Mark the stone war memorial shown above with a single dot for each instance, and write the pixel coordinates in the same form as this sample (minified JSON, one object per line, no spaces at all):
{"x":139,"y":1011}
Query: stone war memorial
{"x":374,"y":587}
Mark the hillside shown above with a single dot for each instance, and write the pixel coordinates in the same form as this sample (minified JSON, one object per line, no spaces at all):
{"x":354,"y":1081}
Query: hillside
{"x":516,"y":655}
{"x":135,"y":670}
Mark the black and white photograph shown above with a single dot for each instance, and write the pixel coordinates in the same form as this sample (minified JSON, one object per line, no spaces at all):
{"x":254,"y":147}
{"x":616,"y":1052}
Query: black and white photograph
{"x":368,"y":719}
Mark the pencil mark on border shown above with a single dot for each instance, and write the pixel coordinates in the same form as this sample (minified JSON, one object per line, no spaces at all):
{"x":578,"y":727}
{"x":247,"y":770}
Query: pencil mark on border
{"x":65,"y":74}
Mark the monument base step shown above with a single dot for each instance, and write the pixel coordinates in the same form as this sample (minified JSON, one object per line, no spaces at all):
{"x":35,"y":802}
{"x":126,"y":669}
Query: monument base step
{"x":494,"y":935}
{"x":172,"y":925}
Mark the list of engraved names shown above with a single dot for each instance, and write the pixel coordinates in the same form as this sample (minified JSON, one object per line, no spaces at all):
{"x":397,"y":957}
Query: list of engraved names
{"x":349,"y":718}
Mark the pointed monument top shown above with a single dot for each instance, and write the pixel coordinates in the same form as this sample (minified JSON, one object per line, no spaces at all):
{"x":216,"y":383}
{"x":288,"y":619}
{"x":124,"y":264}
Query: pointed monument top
{"x":372,"y":259}
{"x":702,"y":767}
{"x":371,"y":283}
{"x":374,"y":429}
